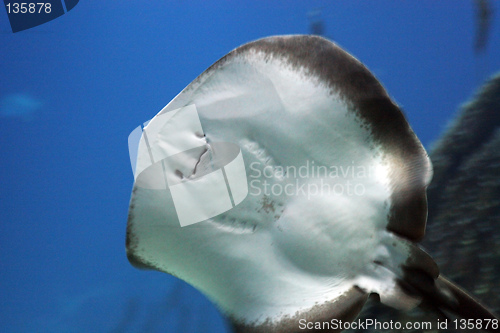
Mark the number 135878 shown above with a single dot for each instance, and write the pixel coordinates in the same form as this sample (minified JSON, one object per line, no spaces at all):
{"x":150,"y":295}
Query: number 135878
{"x":28,"y":7}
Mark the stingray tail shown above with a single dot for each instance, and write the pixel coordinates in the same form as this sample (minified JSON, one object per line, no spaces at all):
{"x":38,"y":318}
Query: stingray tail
{"x":449,"y":299}
{"x":466,"y":306}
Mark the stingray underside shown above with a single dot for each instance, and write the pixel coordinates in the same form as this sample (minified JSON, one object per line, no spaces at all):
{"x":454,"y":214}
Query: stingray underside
{"x":287,"y":101}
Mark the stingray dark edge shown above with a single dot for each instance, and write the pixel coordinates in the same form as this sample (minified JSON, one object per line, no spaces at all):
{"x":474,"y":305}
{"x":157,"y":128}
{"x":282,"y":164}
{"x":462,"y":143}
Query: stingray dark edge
{"x":357,"y":86}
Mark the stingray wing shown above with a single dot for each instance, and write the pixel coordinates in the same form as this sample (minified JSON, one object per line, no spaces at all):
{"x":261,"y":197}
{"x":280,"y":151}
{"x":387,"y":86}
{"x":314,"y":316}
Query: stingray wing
{"x":284,"y":101}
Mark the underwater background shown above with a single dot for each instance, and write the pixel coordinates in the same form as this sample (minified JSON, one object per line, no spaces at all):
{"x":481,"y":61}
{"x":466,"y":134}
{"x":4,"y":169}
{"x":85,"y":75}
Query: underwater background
{"x":72,"y":90}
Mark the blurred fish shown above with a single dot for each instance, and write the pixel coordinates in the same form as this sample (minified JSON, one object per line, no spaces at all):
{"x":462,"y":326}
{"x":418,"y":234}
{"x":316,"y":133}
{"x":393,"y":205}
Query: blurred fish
{"x":19,"y":106}
{"x":484,"y":14}
{"x":316,"y":23}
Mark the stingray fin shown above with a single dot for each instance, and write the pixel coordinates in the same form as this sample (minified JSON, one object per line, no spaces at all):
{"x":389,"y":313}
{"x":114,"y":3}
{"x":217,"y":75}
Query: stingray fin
{"x":345,"y":308}
{"x":464,"y":305}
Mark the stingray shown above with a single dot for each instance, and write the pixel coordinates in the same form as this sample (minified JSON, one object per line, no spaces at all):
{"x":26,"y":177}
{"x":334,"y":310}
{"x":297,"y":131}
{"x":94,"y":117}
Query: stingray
{"x":287,"y":186}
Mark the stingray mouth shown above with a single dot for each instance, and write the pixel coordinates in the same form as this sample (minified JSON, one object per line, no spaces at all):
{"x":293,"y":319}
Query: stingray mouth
{"x":229,"y":224}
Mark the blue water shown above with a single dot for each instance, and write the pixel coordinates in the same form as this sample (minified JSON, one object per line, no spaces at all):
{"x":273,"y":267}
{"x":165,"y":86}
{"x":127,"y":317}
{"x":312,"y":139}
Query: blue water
{"x":71,"y":91}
